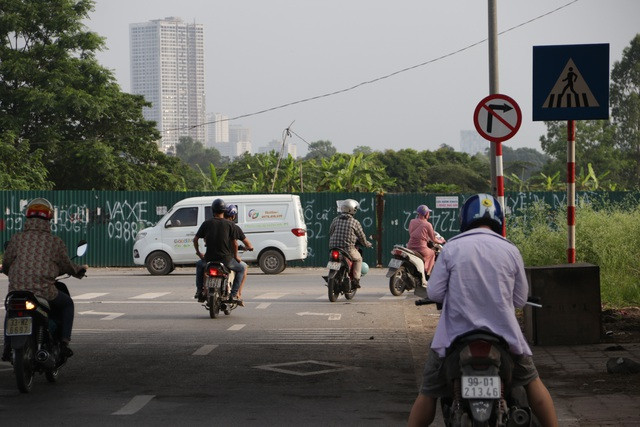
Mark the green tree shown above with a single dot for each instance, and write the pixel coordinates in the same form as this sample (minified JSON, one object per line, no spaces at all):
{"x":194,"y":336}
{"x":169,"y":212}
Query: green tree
{"x":55,"y":96}
{"x":320,"y":150}
{"x":625,"y":102}
{"x":20,"y":169}
{"x":195,"y":154}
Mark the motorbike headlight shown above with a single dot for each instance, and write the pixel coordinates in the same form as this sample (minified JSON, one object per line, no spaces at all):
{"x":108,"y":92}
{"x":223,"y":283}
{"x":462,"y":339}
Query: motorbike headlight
{"x":141,"y":235}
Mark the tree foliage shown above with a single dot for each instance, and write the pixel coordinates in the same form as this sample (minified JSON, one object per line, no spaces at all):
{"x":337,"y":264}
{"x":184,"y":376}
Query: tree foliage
{"x":55,"y":97}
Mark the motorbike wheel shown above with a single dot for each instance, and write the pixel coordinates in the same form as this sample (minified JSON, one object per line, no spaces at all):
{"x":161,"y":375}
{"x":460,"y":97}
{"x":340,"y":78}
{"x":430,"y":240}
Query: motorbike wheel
{"x":396,"y":282}
{"x":334,"y":290}
{"x":24,"y":360}
{"x":214,"y":305}
{"x":52,"y":376}
{"x":351,"y":293}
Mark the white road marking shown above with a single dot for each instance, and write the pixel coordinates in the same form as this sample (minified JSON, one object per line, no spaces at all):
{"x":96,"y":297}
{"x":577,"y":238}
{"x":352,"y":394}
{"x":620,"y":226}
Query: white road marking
{"x":150,"y":295}
{"x":236,"y":327}
{"x":263,"y":305}
{"x":332,"y":316}
{"x":321,"y":368}
{"x":89,"y":296}
{"x":108,"y":316}
{"x":393,"y":297}
{"x":204,"y":350}
{"x":135,"y":404}
{"x":271,"y":295}
{"x":323,"y":297}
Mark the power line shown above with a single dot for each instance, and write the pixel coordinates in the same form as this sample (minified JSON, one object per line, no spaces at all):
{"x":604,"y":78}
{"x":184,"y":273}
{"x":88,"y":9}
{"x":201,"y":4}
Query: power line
{"x":368,"y":82}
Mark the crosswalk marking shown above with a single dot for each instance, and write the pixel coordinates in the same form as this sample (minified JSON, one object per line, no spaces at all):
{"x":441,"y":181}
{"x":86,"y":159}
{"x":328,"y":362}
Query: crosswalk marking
{"x":263,"y":305}
{"x":90,"y":295}
{"x":204,"y":350}
{"x":135,"y":404}
{"x":150,"y":295}
{"x":386,"y":297}
{"x":236,"y":327}
{"x":271,"y":295}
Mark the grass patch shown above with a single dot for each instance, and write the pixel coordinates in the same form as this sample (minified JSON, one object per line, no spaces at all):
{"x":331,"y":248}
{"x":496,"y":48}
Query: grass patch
{"x":607,"y":235}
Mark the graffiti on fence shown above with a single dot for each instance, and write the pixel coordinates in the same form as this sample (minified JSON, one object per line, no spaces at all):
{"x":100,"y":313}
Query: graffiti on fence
{"x":126,"y":219}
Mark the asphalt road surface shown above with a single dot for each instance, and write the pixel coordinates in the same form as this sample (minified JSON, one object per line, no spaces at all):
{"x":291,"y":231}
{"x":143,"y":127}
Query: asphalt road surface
{"x":146,"y":353}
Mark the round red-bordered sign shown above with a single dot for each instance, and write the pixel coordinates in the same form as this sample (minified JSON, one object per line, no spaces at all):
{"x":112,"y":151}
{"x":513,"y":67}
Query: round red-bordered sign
{"x":497,"y":117}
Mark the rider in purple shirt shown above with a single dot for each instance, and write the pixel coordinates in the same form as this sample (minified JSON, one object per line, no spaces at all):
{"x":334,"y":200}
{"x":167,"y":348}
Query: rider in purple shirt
{"x":480,"y":280}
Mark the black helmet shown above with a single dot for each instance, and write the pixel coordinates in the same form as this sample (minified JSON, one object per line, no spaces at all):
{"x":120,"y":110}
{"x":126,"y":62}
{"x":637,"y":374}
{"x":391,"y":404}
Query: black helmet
{"x":218,"y":206}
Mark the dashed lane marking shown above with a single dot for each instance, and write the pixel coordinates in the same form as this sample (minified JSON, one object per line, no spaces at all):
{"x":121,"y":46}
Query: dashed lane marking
{"x":204,"y":350}
{"x":236,"y":327}
{"x":263,"y":305}
{"x":150,"y":295}
{"x":135,"y":404}
{"x":89,"y":295}
{"x":271,"y":295}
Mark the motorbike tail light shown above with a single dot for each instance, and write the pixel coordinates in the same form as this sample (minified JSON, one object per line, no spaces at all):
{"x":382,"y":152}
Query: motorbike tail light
{"x":215,"y":272}
{"x":480,"y":348}
{"x":299,"y":232}
{"x":21,"y":305}
{"x":398,"y":252}
{"x":335,"y":255}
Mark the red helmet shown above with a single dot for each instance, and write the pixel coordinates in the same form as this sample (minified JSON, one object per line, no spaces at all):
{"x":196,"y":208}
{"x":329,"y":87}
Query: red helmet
{"x":40,"y":208}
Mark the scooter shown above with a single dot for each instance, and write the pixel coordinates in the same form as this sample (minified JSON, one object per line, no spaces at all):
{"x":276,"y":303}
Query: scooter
{"x":406,"y":270}
{"x":479,"y":368}
{"x":340,"y":277}
{"x":34,"y":335}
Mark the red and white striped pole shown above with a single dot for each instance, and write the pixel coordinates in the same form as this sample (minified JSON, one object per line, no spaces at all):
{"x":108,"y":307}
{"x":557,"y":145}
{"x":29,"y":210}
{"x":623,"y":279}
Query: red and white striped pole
{"x":571,"y":191}
{"x":500,"y":185}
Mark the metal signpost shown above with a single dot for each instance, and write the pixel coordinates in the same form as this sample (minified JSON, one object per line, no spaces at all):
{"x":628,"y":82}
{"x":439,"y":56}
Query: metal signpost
{"x":497,"y":118}
{"x":571,"y":82}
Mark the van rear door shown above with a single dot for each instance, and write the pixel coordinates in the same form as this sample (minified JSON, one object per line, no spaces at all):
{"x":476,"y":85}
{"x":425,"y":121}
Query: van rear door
{"x":178,"y":232}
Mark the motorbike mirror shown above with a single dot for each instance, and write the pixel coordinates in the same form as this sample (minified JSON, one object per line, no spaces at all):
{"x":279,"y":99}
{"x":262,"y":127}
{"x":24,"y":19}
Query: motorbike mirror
{"x":82,"y":248}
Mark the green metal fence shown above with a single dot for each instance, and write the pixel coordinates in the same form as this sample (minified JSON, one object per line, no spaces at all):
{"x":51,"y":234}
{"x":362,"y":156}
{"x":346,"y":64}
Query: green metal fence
{"x":110,"y":220}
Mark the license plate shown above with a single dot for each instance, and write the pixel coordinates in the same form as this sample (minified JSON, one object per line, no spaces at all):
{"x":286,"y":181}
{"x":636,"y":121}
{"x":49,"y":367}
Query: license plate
{"x":395,"y":263}
{"x":19,"y":326}
{"x":475,"y":387}
{"x":332,"y":265}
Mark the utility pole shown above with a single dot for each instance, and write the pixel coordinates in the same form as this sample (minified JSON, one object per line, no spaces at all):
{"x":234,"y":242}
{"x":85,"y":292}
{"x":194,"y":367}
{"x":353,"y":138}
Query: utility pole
{"x":493,"y":82}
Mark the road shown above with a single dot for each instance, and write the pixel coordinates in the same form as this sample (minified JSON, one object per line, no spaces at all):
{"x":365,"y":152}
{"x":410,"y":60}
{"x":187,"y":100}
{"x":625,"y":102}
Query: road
{"x":147,"y":354}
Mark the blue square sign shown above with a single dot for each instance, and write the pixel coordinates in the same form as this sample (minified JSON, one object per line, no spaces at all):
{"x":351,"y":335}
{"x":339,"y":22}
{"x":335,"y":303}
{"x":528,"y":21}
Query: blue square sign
{"x":571,"y":82}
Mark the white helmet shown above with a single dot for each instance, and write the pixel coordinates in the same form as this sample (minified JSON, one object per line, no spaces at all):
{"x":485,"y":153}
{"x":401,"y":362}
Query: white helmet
{"x":349,"y":206}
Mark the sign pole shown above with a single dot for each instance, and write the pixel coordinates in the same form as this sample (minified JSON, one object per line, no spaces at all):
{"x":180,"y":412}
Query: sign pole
{"x":500,"y":183}
{"x":571,"y":191}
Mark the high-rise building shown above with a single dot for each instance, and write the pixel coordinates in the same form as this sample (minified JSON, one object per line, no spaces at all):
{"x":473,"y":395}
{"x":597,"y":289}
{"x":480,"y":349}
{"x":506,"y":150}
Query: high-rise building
{"x":217,"y":129}
{"x":167,"y":67}
{"x":275,"y":145}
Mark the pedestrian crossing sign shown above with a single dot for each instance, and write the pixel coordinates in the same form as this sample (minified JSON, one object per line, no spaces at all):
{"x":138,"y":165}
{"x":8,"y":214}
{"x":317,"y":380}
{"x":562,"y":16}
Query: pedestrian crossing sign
{"x":571,"y":82}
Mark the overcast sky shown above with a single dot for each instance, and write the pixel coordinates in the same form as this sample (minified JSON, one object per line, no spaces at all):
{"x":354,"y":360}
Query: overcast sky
{"x":261,"y":54}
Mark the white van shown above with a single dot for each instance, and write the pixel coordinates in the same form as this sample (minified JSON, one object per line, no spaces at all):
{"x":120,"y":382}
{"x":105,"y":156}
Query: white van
{"x":274,"y":223}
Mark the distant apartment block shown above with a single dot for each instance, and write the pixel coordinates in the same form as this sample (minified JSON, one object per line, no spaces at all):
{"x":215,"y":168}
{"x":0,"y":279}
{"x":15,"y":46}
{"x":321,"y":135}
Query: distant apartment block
{"x":217,"y":129}
{"x":275,"y":145}
{"x":167,"y":68}
{"x":472,"y":143}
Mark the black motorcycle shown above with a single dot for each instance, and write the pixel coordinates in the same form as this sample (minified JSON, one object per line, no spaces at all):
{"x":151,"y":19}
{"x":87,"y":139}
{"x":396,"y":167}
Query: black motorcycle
{"x":34,"y":334}
{"x":479,"y":369}
{"x":217,"y":289}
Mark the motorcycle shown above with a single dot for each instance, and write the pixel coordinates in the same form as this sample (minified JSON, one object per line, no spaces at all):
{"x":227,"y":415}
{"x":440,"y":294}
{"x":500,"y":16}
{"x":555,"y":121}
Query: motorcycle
{"x":217,"y":289}
{"x":479,"y":368}
{"x":340,"y":277}
{"x":406,"y":269}
{"x":34,"y":335}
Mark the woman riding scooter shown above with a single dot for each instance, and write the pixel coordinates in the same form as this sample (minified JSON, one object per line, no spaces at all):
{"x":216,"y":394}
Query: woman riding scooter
{"x":420,"y":234}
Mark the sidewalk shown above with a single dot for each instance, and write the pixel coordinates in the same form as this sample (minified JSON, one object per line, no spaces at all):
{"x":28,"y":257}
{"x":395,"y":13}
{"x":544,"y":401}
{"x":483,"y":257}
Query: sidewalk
{"x":583,"y":392}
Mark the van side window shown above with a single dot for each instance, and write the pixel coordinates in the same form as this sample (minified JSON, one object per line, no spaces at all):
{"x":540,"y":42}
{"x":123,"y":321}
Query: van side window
{"x":208,"y":213}
{"x":183,"y":217}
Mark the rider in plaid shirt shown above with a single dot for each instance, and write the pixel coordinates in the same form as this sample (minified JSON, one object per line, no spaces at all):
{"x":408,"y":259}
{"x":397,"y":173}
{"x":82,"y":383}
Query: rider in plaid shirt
{"x":345,"y":231}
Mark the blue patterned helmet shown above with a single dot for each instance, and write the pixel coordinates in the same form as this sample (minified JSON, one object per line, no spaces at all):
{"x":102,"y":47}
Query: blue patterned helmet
{"x":481,"y":209}
{"x":232,"y":210}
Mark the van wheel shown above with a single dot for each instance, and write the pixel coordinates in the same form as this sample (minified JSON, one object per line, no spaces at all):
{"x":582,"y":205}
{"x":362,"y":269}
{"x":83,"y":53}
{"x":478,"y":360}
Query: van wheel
{"x":159,"y":263}
{"x":271,"y":262}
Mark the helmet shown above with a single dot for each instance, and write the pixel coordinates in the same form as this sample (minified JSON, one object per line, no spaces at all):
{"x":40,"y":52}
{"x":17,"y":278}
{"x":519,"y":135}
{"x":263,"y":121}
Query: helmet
{"x":481,"y":209}
{"x":232,"y":210}
{"x":423,"y":210}
{"x":218,"y":206}
{"x":349,"y":206}
{"x":40,"y":208}
{"x":365,"y":268}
